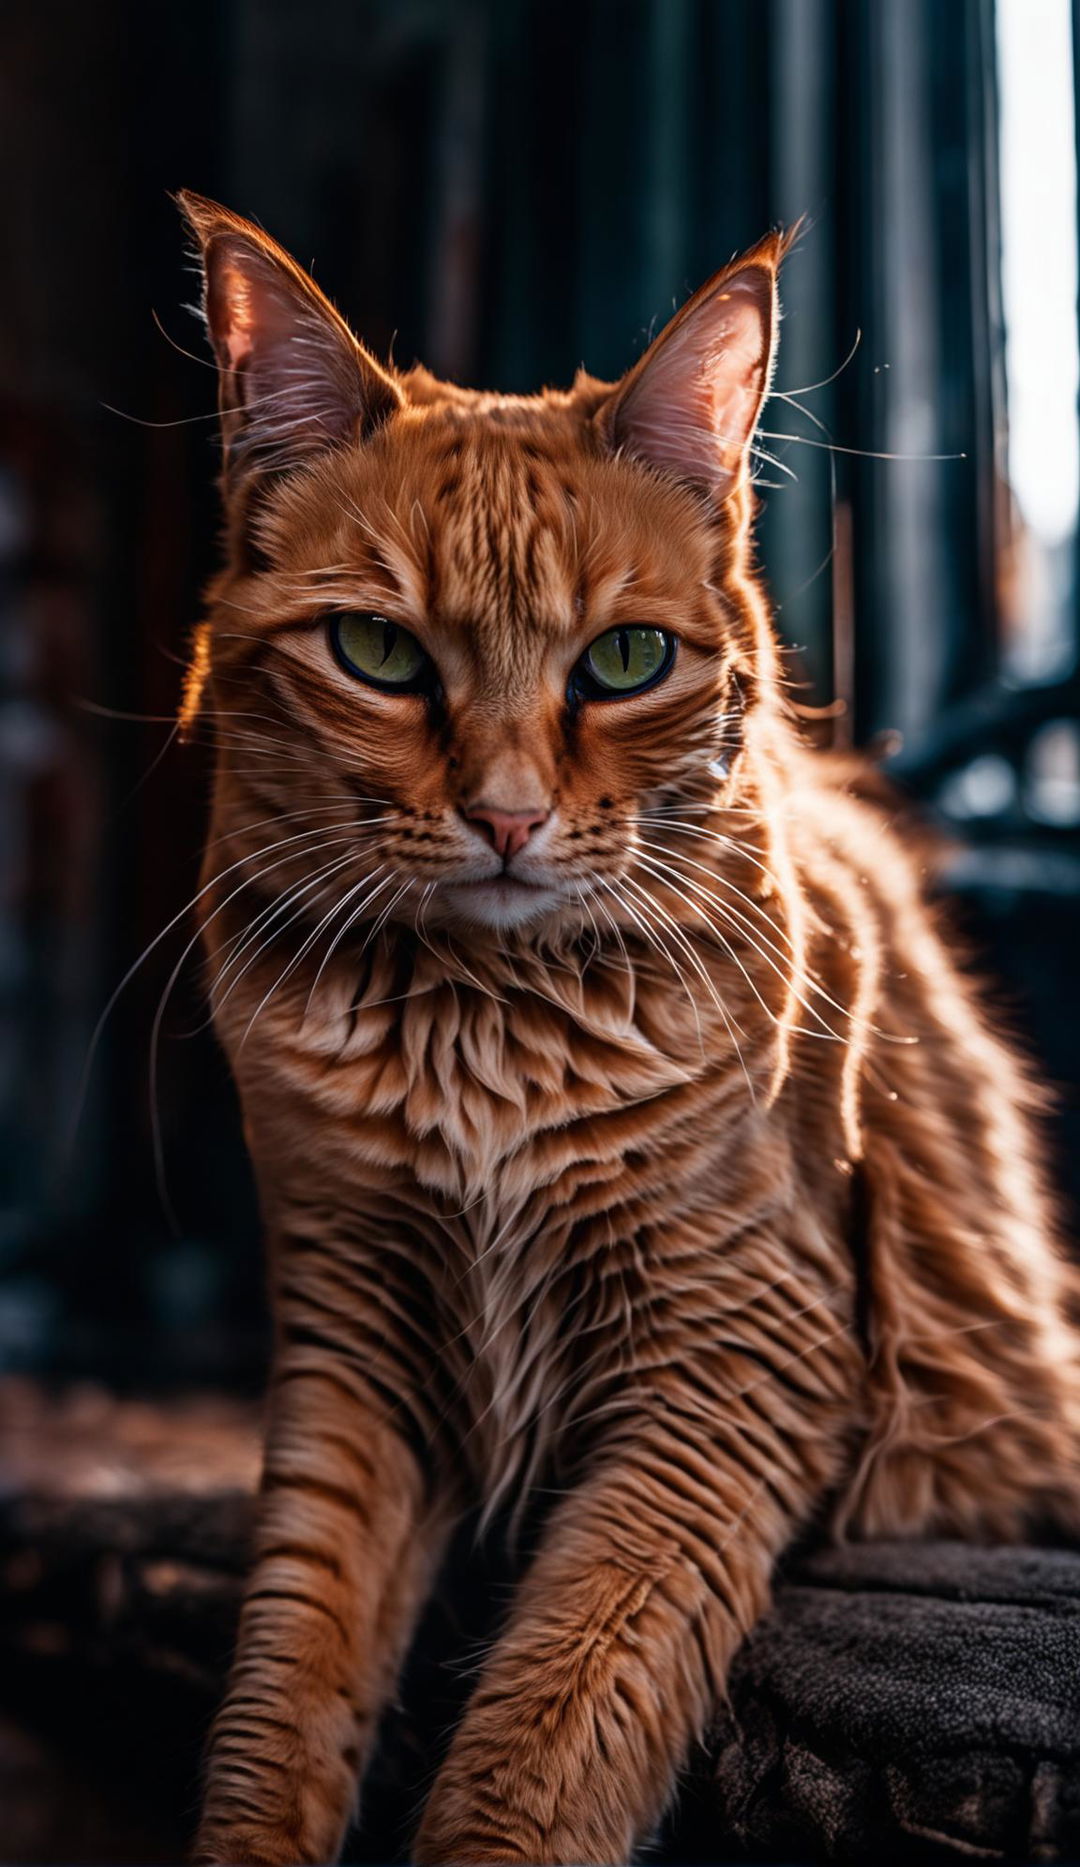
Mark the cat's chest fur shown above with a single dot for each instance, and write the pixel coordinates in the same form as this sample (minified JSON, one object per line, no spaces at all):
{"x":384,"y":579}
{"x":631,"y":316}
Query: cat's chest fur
{"x":488,"y":1083}
{"x":501,"y":1146}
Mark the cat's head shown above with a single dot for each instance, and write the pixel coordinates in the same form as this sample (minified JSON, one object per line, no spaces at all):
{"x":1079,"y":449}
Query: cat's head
{"x":488,"y":637}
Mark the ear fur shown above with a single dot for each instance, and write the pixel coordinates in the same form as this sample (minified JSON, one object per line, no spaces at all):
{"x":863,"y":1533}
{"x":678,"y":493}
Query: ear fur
{"x":293,"y":380}
{"x":692,"y":402}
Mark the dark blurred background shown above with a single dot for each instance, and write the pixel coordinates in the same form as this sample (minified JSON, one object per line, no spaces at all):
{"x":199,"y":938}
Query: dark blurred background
{"x":505,"y":189}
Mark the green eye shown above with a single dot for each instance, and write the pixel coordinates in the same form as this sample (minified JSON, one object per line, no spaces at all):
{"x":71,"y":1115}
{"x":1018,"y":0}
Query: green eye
{"x":381,"y":652}
{"x":626,"y":661}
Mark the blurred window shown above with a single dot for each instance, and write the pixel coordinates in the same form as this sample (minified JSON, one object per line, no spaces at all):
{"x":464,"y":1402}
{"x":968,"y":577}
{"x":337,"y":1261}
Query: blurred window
{"x":1042,"y":360}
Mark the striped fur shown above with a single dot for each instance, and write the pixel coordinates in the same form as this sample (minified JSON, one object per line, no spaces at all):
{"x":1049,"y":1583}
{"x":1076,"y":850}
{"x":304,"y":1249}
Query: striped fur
{"x":701,"y":1201}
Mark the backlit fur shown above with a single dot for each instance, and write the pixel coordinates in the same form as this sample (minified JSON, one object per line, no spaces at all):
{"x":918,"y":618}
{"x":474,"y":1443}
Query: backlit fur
{"x":682,"y":1183}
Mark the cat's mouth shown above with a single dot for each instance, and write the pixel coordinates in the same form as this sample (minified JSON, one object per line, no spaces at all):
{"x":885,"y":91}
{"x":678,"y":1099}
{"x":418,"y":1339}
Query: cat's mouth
{"x":505,"y":900}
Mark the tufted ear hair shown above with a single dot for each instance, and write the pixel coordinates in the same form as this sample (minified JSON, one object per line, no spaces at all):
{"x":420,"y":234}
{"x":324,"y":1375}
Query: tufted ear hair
{"x":293,"y":380}
{"x":692,"y":402}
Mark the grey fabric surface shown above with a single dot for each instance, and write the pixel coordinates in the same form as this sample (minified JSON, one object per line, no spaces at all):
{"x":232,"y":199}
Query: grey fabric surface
{"x":907,"y":1702}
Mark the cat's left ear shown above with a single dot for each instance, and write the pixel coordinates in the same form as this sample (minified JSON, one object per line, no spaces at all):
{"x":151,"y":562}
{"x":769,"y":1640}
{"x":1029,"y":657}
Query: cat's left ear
{"x":293,"y":379}
{"x":691,"y":404}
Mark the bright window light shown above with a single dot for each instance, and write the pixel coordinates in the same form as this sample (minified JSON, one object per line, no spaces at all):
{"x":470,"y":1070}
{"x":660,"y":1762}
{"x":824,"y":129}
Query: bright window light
{"x":1042,"y":361}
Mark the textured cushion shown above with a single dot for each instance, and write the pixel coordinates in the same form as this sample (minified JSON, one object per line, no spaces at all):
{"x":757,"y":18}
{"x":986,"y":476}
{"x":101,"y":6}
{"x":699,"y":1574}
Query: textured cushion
{"x":911,"y":1702}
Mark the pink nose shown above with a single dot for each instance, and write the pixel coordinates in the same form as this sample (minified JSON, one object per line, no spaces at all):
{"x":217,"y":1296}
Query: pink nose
{"x":509,"y":830}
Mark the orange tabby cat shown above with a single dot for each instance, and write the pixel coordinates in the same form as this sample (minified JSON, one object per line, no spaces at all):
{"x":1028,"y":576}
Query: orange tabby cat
{"x":625,"y":1134}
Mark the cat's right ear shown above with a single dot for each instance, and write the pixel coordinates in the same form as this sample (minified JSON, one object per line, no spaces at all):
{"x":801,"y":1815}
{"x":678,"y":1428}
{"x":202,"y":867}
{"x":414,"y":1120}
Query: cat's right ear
{"x":293,"y":380}
{"x":690,"y":405}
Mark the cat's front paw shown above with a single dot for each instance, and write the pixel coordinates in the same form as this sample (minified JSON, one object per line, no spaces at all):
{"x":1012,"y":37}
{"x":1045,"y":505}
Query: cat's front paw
{"x":248,"y":1844}
{"x":462,"y":1847}
{"x":470,"y":1822}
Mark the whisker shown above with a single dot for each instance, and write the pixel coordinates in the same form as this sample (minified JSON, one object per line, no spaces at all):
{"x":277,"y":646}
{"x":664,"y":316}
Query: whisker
{"x":340,"y":935}
{"x":304,"y":836}
{"x":649,"y":907}
{"x":731,"y":1024}
{"x":291,"y":896}
{"x":860,"y":453}
{"x":722,"y":908}
{"x":155,"y":1031}
{"x":787,"y":395}
{"x":755,"y":937}
{"x":294,"y":816}
{"x":299,"y":956}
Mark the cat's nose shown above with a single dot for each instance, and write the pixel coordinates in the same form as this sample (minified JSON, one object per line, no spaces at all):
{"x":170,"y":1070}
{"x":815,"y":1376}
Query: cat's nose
{"x":508,"y":830}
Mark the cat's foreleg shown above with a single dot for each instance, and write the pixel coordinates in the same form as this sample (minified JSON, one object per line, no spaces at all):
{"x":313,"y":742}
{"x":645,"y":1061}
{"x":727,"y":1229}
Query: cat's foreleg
{"x":614,"y":1662}
{"x":345,"y":1549}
